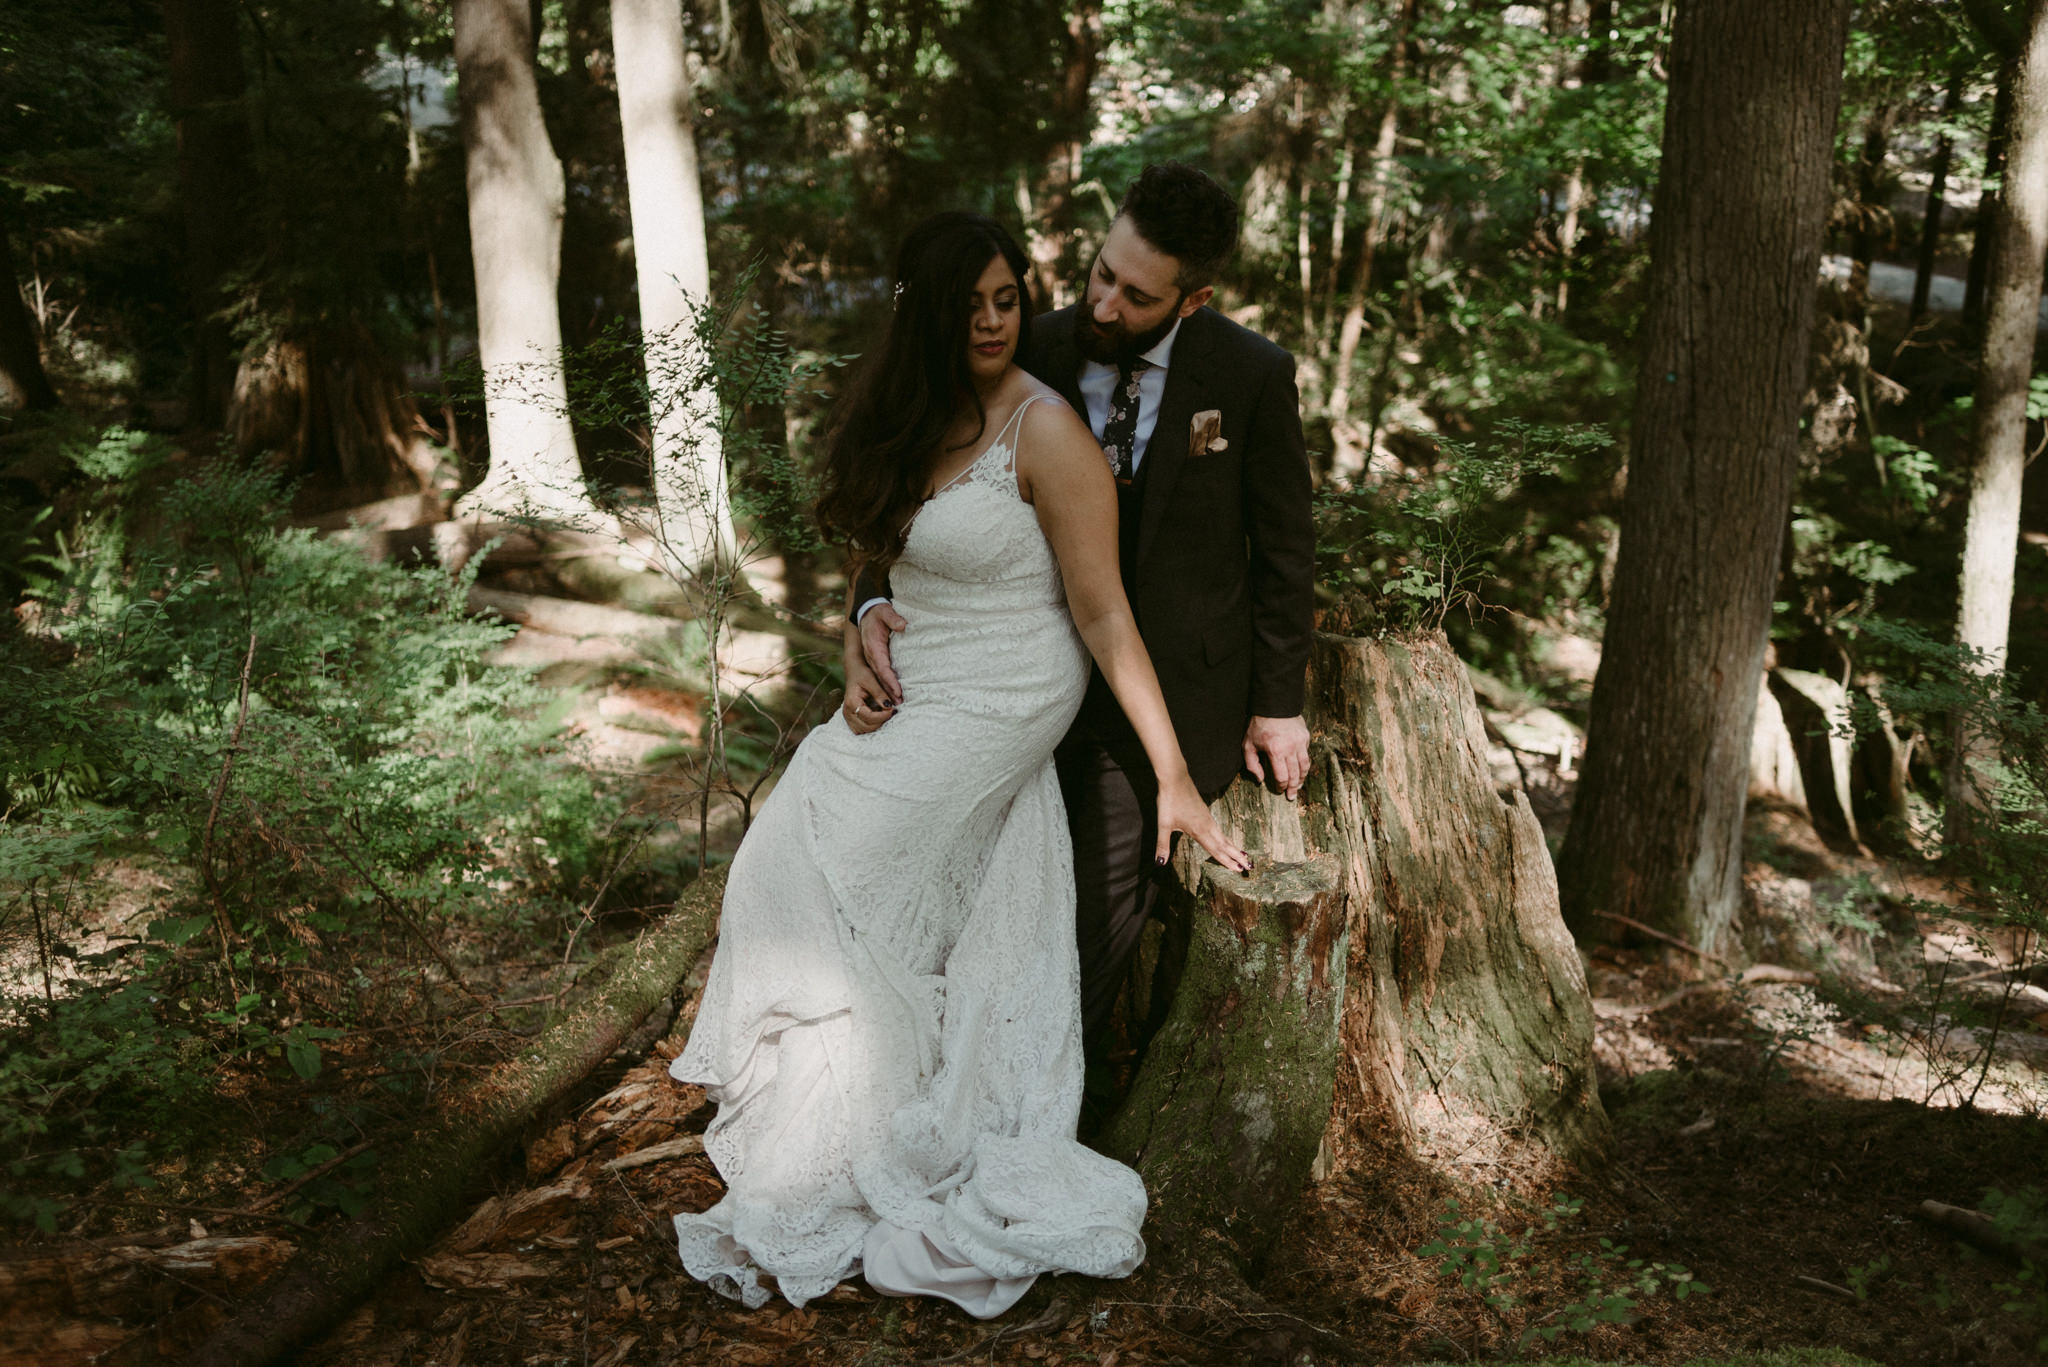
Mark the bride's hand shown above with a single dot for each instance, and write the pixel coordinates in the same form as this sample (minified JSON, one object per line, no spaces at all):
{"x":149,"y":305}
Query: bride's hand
{"x":1181,"y":809}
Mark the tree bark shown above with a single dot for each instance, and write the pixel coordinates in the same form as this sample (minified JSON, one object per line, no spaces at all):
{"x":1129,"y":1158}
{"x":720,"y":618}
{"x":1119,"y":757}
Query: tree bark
{"x":214,"y":171}
{"x":516,"y":199}
{"x":423,"y":1193}
{"x":1998,"y":445}
{"x":24,"y":385}
{"x":673,"y":261}
{"x":1398,"y":950}
{"x":337,"y":412}
{"x":1656,"y":830}
{"x":1937,"y":189}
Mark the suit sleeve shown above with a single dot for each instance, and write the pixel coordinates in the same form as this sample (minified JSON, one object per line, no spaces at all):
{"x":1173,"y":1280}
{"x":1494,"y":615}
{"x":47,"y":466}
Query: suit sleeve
{"x":868,"y":584}
{"x":1280,"y":532}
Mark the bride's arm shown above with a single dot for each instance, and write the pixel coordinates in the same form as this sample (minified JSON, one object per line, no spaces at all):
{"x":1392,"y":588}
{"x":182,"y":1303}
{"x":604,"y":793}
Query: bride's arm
{"x":1062,"y":474}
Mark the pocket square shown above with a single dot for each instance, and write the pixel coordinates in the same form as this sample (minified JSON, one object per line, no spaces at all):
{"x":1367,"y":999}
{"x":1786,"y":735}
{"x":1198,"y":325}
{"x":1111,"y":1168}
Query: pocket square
{"x":1205,"y":432}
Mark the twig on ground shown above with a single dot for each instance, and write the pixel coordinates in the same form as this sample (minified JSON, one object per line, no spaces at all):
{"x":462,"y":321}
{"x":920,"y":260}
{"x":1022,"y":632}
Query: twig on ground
{"x":1820,"y":1287}
{"x":1054,"y":1318}
{"x":1672,"y":940}
{"x":265,"y":1202}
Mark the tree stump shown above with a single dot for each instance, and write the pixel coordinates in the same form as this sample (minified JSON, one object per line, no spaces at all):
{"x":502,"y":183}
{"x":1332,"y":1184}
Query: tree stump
{"x":1398,"y":951}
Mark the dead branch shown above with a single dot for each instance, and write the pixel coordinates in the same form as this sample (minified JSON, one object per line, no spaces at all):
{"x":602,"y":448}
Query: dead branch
{"x":1671,"y":940}
{"x":1053,"y":1320}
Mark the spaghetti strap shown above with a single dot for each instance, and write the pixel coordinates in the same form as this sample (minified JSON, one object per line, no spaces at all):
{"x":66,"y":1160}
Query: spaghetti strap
{"x":982,"y":468}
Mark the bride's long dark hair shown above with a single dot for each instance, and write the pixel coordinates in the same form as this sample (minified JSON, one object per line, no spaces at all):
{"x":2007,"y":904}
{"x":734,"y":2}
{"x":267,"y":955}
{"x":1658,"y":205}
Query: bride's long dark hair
{"x":886,"y":438}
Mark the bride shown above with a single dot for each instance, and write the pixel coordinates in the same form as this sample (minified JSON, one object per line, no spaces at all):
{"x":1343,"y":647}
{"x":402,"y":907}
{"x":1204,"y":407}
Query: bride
{"x":891,"y":1027}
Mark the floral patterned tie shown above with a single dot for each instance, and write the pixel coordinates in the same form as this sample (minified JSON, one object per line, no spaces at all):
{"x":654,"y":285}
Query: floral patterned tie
{"x":1120,"y":433}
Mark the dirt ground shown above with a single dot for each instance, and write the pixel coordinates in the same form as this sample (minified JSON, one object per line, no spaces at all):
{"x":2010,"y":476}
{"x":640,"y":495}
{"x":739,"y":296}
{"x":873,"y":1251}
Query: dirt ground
{"x":1785,"y":1173}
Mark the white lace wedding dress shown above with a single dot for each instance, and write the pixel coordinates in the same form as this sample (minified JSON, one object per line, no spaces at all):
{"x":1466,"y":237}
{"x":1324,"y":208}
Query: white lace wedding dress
{"x":891,"y":1027}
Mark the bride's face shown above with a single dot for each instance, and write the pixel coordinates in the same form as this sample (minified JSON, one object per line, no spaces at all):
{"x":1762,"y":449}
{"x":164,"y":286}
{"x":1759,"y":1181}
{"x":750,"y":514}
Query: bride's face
{"x":995,"y":319}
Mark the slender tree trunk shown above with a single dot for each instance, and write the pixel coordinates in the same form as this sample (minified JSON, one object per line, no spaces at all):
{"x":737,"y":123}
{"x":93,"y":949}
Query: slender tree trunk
{"x":1656,"y":831}
{"x":1568,"y":232}
{"x":1375,"y":217}
{"x":1049,"y":215}
{"x":2019,"y":238}
{"x":674,"y":265}
{"x":1339,"y":214}
{"x":1937,"y":187}
{"x":23,"y":384}
{"x":515,"y":231}
{"x":206,"y":92}
{"x":1870,"y":211}
{"x":1987,"y":204}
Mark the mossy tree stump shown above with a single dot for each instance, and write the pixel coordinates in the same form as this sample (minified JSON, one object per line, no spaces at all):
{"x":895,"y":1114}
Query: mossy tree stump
{"x":1398,"y":953}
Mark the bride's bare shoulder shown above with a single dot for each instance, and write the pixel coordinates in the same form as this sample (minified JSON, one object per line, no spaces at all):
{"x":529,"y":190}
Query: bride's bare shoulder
{"x":1052,"y":419}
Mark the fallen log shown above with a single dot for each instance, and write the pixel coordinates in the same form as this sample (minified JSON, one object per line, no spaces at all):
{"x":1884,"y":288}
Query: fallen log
{"x":1981,"y":1231}
{"x":74,"y":1305}
{"x":421,"y":1195}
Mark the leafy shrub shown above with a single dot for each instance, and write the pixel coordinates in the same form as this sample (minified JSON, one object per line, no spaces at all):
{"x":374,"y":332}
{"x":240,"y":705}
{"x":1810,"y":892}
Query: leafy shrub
{"x":315,"y":750}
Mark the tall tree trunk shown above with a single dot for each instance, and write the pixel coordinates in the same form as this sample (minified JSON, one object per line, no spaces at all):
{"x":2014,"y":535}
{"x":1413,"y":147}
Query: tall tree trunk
{"x":23,"y":384}
{"x":673,"y":261}
{"x":1987,"y":203}
{"x":1656,"y":831}
{"x":515,"y":237}
{"x":2019,"y":237}
{"x":1353,"y":328}
{"x":1049,"y":215}
{"x":1937,"y":188}
{"x":207,"y":87}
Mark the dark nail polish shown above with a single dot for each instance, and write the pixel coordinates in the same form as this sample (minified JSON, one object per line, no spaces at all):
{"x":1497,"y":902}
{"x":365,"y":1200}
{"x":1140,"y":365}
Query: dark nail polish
{"x":1160,"y":860}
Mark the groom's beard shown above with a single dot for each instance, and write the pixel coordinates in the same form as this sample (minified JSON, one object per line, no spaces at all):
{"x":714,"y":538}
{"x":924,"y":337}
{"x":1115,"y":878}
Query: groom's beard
{"x":1119,"y":346}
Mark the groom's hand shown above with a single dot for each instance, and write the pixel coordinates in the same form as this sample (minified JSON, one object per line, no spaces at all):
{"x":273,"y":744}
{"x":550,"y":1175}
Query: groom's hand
{"x":877,"y":625}
{"x":1283,"y":742}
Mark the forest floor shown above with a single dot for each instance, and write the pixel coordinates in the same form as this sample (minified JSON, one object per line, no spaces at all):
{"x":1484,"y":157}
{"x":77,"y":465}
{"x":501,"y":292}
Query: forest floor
{"x":1773,"y":1136}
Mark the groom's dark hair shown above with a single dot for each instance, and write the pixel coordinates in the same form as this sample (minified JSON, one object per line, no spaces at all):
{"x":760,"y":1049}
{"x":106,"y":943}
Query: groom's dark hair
{"x":1180,"y":211}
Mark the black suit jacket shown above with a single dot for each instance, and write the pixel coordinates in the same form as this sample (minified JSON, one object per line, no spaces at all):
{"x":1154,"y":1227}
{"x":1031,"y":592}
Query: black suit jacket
{"x":1220,"y":568}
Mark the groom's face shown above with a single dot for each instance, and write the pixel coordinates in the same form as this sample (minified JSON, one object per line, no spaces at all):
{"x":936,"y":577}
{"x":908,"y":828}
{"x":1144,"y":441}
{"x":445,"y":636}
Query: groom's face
{"x":1132,"y":299}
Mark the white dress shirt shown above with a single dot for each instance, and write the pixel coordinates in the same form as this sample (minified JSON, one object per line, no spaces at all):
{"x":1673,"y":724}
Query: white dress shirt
{"x":1098,"y":380}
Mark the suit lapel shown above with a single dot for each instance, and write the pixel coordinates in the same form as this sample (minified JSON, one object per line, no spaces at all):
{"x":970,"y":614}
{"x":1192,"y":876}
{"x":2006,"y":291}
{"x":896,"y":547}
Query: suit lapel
{"x":1060,"y":366}
{"x":1187,"y":383}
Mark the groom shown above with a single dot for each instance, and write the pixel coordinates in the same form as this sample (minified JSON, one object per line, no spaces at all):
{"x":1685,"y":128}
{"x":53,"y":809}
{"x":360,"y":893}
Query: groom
{"x":1201,"y":422}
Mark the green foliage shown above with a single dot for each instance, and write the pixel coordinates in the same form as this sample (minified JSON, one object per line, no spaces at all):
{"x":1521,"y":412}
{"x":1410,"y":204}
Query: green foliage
{"x":2021,"y":1216}
{"x":1412,"y":552}
{"x":314,"y":751}
{"x":1491,"y":1263}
